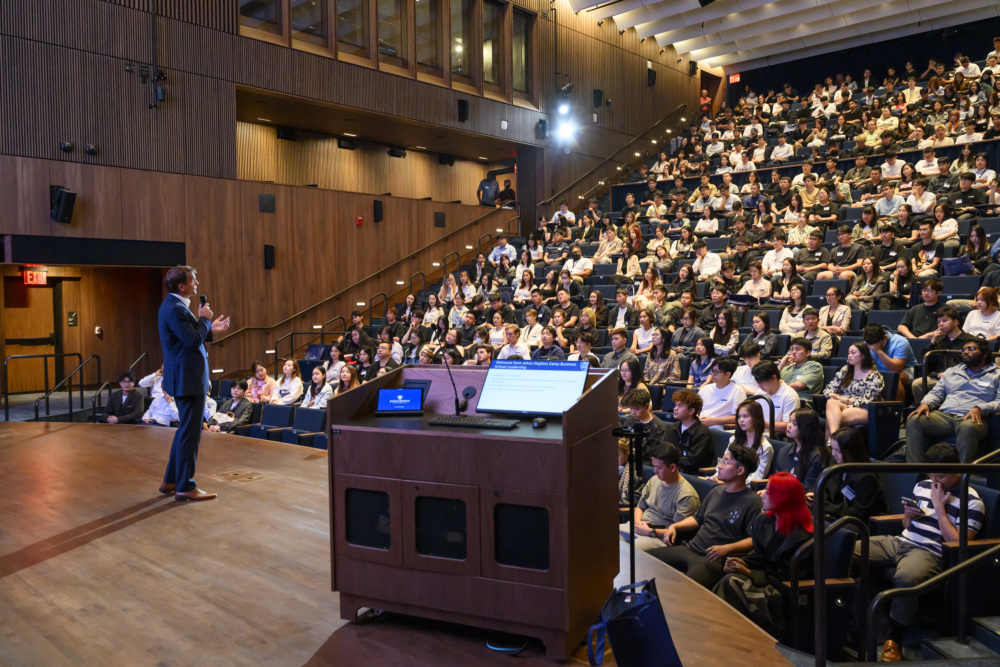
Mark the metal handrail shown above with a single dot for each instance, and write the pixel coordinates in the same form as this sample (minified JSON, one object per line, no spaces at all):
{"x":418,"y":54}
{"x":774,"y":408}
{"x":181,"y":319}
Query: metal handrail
{"x":357,"y":283}
{"x":323,"y":331}
{"x":423,"y":283}
{"x":45,"y":369}
{"x":136,"y":362}
{"x":819,"y":513}
{"x":371,"y":302}
{"x":606,"y":160}
{"x":489,"y":242}
{"x":444,"y":263}
{"x":96,"y":399}
{"x":507,"y":226}
{"x":765,"y":397}
{"x":69,"y":378}
{"x":291,"y":352}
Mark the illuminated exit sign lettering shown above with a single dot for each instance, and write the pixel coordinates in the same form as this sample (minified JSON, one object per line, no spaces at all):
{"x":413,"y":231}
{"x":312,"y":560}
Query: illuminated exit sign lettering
{"x":35,"y":275}
{"x":734,"y":78}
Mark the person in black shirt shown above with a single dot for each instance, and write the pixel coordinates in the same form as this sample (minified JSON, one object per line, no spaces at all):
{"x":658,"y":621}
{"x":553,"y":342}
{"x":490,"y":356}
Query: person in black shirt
{"x":945,"y":182}
{"x":630,"y":207}
{"x":507,"y":195}
{"x":925,"y":256}
{"x":395,"y":327}
{"x":743,"y":257}
{"x":723,"y":522}
{"x":783,"y":198}
{"x":496,"y":305}
{"x":468,"y":329}
{"x":886,"y":253}
{"x":813,"y":258}
{"x":592,"y":212}
{"x":688,"y":434}
{"x":964,"y":201}
{"x":994,"y":130}
{"x":845,"y":259}
{"x":920,"y":321}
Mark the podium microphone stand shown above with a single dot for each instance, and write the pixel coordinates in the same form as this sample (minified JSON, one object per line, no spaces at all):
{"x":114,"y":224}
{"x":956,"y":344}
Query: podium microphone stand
{"x":635,"y":436}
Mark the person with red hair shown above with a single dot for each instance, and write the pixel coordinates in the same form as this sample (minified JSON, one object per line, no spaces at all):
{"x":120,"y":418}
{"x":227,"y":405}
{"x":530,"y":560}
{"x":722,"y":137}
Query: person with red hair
{"x":785,"y":525}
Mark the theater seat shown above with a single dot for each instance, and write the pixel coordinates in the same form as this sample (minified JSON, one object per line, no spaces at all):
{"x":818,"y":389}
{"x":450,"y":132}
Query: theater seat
{"x":272,"y":416}
{"x":306,"y":421}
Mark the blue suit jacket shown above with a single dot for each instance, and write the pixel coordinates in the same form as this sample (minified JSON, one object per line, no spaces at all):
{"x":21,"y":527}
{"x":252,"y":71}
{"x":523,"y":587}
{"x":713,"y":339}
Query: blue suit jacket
{"x":183,"y":336}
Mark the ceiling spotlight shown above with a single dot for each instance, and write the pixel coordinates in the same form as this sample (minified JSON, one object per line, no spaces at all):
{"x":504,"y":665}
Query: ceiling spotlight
{"x":600,"y":23}
{"x":621,"y":32}
{"x":642,"y":40}
{"x":661,"y":51}
{"x":563,"y":108}
{"x":683,"y":119}
{"x":654,"y":141}
{"x":567,"y":89}
{"x":669,"y":131}
{"x":565,"y":130}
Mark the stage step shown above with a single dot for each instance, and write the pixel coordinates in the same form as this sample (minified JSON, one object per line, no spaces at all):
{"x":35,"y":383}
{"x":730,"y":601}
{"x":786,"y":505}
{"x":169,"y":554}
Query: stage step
{"x":948,"y":648}
{"x":987,"y":630}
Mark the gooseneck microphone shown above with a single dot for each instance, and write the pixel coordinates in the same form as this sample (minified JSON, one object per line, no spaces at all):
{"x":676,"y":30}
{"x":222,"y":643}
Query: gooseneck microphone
{"x":460,"y":404}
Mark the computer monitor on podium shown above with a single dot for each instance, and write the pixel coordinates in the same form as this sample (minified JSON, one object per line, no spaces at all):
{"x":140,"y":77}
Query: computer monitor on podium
{"x":532,"y":387}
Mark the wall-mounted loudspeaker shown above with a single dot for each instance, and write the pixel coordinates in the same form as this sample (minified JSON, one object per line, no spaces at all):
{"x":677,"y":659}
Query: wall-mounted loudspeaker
{"x":650,"y":77}
{"x":693,"y":68}
{"x":265,"y":203}
{"x":446,"y":159}
{"x":269,"y":257}
{"x":377,"y":213}
{"x":598,"y":97}
{"x":543,"y":128}
{"x":61,"y":202}
{"x":463,"y":111}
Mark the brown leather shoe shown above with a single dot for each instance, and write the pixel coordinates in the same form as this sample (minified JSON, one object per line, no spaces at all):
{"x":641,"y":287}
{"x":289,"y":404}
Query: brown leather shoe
{"x":194,"y":494}
{"x":167,"y":489}
{"x":891,"y":651}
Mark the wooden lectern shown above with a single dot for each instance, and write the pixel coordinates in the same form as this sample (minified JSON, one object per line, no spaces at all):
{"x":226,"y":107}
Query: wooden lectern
{"x":514,"y":530}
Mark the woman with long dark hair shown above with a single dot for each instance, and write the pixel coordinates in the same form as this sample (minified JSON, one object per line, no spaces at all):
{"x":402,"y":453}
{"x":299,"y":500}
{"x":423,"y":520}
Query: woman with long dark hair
{"x":725,"y":335}
{"x":854,"y":386}
{"x":761,"y":334}
{"x":868,"y":286}
{"x":701,"y":362}
{"x":782,"y":283}
{"x":662,"y":363}
{"x":857,"y":494}
{"x":753,"y":583}
{"x":791,"y":317}
{"x":600,"y":310}
{"x":629,"y":378}
{"x":806,"y":455}
{"x":750,"y":428}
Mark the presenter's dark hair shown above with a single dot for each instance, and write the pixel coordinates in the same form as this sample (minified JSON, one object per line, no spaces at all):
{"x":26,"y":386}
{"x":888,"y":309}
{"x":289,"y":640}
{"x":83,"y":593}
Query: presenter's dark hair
{"x":177,"y":276}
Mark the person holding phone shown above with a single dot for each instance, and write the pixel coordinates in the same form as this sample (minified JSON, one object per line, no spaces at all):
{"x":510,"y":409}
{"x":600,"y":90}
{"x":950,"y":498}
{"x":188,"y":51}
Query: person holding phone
{"x":185,"y":375}
{"x":666,"y":498}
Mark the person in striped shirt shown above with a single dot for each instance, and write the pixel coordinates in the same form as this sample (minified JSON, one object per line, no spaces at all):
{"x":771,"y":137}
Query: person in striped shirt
{"x":916,"y":554}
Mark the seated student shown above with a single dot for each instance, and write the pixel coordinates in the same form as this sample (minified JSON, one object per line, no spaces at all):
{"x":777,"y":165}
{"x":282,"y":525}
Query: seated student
{"x":750,"y":434}
{"x":622,"y":316}
{"x":749,"y":353}
{"x":547,"y":348}
{"x":642,"y":338}
{"x":915,"y":555}
{"x":845,"y":259}
{"x":814,"y":258}
{"x":799,"y":371}
{"x":892,"y":354}
{"x":706,"y":264}
{"x":783,"y":397}
{"x":751,"y":583}
{"x":721,"y":396}
{"x":162,"y":411}
{"x":702,"y":362}
{"x":948,"y":336}
{"x":289,"y":388}
{"x":584,"y":343}
{"x":857,"y":494}
{"x":806,"y":455}
{"x":725,"y":335}
{"x":531,"y":332}
{"x":835,"y":317}
{"x":688,"y":434}
{"x":482,"y":355}
{"x":709,"y":317}
{"x":961,"y":399}
{"x":662,"y":363}
{"x":238,"y":407}
{"x":514,"y":345}
{"x":619,"y":352}
{"x":383,"y":360}
{"x":318,"y":392}
{"x":822,"y":342}
{"x":925,"y":254}
{"x":125,"y":405}
{"x":666,"y":498}
{"x":920,"y":321}
{"x":791,"y":317}
{"x":723,"y":522}
{"x":637,"y":406}
{"x":688,"y":334}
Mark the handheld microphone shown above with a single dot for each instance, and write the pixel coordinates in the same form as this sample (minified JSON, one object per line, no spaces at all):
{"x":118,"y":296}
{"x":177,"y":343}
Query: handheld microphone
{"x":202,"y":299}
{"x":460,"y":405}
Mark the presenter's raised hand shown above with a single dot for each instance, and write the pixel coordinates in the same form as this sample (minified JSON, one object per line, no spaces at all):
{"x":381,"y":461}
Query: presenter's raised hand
{"x":205,"y":311}
{"x":221,"y":324}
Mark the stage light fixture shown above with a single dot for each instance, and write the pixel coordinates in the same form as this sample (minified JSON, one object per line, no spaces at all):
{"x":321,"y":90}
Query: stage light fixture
{"x":563,"y":108}
{"x":565,"y":130}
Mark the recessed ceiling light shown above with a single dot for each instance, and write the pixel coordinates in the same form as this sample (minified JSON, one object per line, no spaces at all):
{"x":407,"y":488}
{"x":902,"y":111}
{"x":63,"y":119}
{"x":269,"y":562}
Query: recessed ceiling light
{"x":264,"y":120}
{"x":421,"y":148}
{"x":348,"y":134}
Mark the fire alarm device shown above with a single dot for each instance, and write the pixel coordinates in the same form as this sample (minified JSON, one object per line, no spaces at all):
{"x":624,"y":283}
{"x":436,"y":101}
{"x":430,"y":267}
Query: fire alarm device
{"x":359,"y":221}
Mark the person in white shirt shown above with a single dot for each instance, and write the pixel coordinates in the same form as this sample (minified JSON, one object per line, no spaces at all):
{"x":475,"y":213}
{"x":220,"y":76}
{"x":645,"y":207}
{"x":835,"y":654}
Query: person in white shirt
{"x":745,"y":163}
{"x":753,"y":125}
{"x":825,"y":108}
{"x":970,"y":135}
{"x":912,"y":93}
{"x":928,"y":166}
{"x":564,"y":213}
{"x":531,"y":332}
{"x":773,"y":258}
{"x":750,"y":354}
{"x":968,"y":69}
{"x":716,"y":146}
{"x":289,"y":388}
{"x":706,"y":264}
{"x":984,"y":175}
{"x":782,"y":151}
{"x":892,"y":168}
{"x":153,"y":382}
{"x":512,"y":335}
{"x":707,"y":224}
{"x":658,"y":211}
{"x":579,"y":267}
{"x":921,"y":201}
{"x":785,"y":399}
{"x":162,"y":411}
{"x":725,"y":201}
{"x":984,"y":321}
{"x":318,"y":392}
{"x":721,"y":397}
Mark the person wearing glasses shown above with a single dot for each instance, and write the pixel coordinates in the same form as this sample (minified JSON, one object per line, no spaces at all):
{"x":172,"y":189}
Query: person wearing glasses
{"x":920,"y":321}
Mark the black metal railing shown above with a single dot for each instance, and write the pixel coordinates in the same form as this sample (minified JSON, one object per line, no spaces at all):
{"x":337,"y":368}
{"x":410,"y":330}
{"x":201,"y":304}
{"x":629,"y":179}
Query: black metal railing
{"x":489,"y":243}
{"x":290,"y":337}
{"x":423,"y":282}
{"x":444,"y":263}
{"x":371,"y":304}
{"x":141,"y":357}
{"x":610,"y":159}
{"x":959,"y":570}
{"x":69,"y":379}
{"x":45,"y":365}
{"x":323,"y":332}
{"x":767,"y":399}
{"x":95,"y":400}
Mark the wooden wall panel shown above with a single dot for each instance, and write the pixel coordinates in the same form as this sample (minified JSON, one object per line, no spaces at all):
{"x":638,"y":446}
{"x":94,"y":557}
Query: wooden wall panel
{"x":24,"y":197}
{"x":152,"y":207}
{"x":312,"y":247}
{"x":273,"y":290}
{"x":210,"y":127}
{"x":97,"y":212}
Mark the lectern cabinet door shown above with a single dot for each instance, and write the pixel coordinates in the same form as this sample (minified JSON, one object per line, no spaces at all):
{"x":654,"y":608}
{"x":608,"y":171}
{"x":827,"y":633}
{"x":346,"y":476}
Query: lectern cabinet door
{"x":441,"y":528}
{"x":524,"y":537}
{"x":369,"y":519}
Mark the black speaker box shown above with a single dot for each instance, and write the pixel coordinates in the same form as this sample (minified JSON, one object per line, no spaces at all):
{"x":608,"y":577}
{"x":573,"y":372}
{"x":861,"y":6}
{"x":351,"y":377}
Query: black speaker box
{"x":439,"y":219}
{"x":287,"y":133}
{"x":265,"y":203}
{"x":650,"y":77}
{"x":377,"y":214}
{"x":446,"y":159}
{"x":463,"y":111}
{"x":598,"y":98}
{"x":61,"y":203}
{"x":543,"y":128}
{"x":693,"y":68}
{"x":269,"y":257}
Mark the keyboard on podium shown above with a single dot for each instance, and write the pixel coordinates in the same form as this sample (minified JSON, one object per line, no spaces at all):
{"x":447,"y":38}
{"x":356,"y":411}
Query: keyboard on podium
{"x":471,"y":421}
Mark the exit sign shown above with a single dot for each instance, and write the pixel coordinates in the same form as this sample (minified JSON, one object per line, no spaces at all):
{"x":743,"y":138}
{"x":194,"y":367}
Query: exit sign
{"x":734,"y":78}
{"x":34,"y":275}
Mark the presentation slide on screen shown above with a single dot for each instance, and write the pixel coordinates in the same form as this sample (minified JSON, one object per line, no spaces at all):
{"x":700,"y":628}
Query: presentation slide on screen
{"x":532,"y":387}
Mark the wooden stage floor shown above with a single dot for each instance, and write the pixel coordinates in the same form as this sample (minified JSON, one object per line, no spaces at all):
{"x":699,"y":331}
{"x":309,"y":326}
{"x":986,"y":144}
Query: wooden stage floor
{"x":96,"y":567}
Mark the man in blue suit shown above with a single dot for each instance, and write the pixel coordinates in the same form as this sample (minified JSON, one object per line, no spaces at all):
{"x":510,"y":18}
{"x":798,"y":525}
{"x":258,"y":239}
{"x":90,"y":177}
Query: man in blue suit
{"x":185,"y":375}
